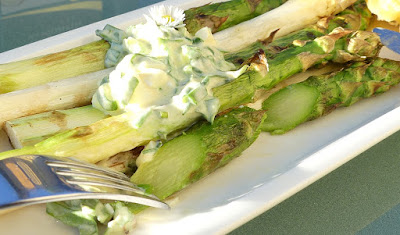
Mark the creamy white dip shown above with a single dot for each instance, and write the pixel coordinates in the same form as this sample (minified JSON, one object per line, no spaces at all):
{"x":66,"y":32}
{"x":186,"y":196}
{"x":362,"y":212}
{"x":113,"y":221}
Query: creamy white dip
{"x":166,"y":73}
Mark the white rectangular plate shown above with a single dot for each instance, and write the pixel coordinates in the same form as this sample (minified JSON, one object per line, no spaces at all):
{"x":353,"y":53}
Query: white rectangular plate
{"x":271,"y":170}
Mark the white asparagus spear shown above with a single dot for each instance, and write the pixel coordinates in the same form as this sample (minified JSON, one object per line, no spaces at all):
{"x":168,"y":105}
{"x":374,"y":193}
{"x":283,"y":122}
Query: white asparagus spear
{"x":63,"y":94}
{"x":32,"y":129}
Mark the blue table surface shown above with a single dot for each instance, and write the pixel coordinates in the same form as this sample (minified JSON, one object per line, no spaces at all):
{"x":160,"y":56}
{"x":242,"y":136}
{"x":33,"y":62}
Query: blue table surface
{"x":362,"y":196}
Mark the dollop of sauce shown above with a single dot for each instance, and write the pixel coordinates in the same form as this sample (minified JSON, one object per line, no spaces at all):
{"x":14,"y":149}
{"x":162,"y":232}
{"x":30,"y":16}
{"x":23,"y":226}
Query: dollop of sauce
{"x":167,"y":73}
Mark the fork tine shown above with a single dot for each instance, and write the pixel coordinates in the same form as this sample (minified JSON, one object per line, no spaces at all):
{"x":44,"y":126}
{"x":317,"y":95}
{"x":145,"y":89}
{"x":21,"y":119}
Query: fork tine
{"x":76,"y":168}
{"x":90,"y":173}
{"x":82,"y":167}
{"x":109,"y":185}
{"x":95,"y":176}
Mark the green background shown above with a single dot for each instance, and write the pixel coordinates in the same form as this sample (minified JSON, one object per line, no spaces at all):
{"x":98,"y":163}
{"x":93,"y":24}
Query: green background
{"x":362,"y":196}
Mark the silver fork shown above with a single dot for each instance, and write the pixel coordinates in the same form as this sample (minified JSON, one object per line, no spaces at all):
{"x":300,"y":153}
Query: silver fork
{"x":33,"y":179}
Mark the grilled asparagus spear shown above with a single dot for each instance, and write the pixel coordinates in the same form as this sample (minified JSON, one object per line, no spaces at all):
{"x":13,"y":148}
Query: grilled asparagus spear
{"x":112,"y":135}
{"x":48,"y":123}
{"x":32,"y":72}
{"x":319,"y":95}
{"x":356,"y":17}
{"x":338,"y":46}
{"x":203,"y":149}
{"x":222,"y":15}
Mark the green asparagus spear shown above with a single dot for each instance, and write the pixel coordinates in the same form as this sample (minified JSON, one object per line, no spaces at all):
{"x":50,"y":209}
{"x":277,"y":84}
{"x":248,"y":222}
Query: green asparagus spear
{"x":319,"y":95}
{"x":338,"y":46}
{"x":222,"y":15}
{"x":356,"y":17}
{"x":110,"y":136}
{"x":198,"y":152}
